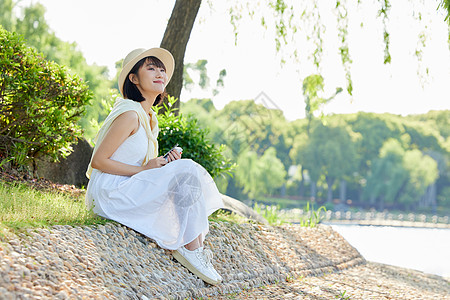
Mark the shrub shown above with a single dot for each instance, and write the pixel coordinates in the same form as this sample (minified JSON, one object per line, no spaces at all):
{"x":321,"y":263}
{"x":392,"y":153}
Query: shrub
{"x":188,"y":135}
{"x":40,"y":103}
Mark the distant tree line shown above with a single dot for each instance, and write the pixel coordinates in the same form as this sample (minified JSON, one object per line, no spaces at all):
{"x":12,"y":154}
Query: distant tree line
{"x":374,"y":160}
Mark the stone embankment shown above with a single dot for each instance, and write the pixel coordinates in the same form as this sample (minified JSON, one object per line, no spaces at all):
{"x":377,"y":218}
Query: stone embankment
{"x":114,"y":262}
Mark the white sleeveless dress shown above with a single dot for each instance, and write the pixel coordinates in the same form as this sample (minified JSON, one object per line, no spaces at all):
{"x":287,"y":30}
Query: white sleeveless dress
{"x":170,"y":204}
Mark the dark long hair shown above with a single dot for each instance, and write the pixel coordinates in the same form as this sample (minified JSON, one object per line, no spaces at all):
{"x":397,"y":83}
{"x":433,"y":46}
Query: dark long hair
{"x":131,"y":91}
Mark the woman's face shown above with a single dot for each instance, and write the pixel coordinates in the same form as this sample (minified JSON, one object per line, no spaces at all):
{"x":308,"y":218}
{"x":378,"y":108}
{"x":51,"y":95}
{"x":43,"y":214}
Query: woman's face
{"x":151,"y":79}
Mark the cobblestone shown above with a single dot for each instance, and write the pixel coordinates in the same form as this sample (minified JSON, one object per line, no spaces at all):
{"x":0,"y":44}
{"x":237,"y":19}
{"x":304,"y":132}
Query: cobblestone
{"x":255,"y":261}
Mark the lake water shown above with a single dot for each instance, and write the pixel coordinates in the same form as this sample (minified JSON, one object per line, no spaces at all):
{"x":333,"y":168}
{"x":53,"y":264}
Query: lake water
{"x":423,"y":249}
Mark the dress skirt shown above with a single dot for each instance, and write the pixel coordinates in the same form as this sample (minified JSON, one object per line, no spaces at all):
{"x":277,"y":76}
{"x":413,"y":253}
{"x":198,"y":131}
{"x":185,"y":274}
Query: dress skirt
{"x":170,"y":204}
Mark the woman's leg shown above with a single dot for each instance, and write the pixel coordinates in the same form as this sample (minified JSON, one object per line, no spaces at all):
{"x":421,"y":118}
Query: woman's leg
{"x":196,"y":243}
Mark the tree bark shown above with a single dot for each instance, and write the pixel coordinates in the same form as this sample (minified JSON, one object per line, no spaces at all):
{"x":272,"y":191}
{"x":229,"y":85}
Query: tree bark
{"x":343,"y":191}
{"x":372,"y":200}
{"x":301,"y":189}
{"x":381,"y":203}
{"x":330,"y":189}
{"x":429,"y":198}
{"x":433,"y":193}
{"x":283,"y":190}
{"x":313,"y":191}
{"x":175,"y":40}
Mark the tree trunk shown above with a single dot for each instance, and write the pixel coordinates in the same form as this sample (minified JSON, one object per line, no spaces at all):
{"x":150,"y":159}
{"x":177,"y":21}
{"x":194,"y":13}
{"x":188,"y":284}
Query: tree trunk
{"x":360,"y":197}
{"x":433,"y":193}
{"x":343,"y":191}
{"x":381,"y":203}
{"x":175,"y":40}
{"x":429,"y":198}
{"x":301,"y":188}
{"x":283,"y":190}
{"x":313,"y":190}
{"x":372,"y":200}
{"x":330,"y":189}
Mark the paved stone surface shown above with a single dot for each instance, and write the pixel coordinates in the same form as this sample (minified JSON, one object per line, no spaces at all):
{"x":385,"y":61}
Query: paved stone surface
{"x":115,"y":262}
{"x":367,"y":281}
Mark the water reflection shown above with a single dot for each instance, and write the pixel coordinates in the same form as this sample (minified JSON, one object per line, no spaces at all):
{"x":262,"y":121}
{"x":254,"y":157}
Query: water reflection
{"x":423,"y":249}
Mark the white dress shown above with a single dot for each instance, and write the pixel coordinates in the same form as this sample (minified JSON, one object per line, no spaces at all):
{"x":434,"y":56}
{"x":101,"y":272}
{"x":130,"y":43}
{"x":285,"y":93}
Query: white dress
{"x":170,"y":204}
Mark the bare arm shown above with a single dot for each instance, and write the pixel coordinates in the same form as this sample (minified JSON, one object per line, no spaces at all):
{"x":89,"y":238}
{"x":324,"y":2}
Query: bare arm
{"x":123,"y":126}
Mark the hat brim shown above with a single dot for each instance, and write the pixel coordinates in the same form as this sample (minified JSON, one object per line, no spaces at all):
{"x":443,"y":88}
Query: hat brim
{"x":160,"y":53}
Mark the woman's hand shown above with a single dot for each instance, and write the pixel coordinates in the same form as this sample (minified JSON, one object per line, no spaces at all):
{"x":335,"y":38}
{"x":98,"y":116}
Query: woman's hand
{"x":157,"y":162}
{"x":173,"y":155}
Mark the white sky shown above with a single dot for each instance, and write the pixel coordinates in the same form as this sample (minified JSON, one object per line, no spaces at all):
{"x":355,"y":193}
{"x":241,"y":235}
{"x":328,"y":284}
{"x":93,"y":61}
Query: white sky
{"x":106,"y":31}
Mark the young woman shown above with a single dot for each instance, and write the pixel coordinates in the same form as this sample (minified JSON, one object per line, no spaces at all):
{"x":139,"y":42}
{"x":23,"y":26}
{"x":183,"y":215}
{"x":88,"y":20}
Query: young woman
{"x":167,"y":200}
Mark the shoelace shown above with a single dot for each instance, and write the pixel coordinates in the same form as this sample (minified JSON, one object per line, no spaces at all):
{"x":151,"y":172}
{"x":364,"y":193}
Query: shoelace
{"x":209,"y":256}
{"x":205,"y":257}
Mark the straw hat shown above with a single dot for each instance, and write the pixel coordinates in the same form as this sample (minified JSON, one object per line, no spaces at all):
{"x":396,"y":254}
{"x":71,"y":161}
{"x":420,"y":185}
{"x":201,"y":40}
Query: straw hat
{"x":136,"y":55}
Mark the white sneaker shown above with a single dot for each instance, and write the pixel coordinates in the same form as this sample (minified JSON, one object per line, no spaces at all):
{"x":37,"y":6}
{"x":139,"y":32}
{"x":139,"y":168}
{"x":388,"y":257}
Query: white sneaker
{"x":208,"y":254}
{"x":199,"y":263}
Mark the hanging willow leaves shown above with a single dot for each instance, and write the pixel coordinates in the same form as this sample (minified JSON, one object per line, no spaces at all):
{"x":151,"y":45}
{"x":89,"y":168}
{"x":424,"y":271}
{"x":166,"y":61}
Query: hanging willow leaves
{"x":319,"y":30}
{"x":423,"y":35}
{"x":312,"y":25}
{"x":235,"y":17}
{"x":294,"y":21}
{"x":448,"y":41}
{"x":422,"y":71}
{"x":313,"y":85}
{"x":383,"y":12}
{"x":279,"y":6}
{"x":342,"y":22}
{"x":445,"y":4}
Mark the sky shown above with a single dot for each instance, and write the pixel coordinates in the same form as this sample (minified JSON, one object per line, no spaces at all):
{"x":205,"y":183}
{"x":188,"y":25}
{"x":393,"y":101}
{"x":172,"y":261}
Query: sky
{"x":105,"y":31}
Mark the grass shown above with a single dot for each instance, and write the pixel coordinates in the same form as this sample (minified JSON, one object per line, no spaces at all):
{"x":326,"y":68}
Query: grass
{"x":271,"y":213}
{"x":275,"y":216}
{"x":342,"y":296}
{"x":221,"y":215}
{"x":311,"y":217}
{"x":22,"y":207}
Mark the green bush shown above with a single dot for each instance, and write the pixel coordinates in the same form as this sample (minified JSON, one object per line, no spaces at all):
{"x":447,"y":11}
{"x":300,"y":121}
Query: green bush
{"x":40,"y":103}
{"x":188,"y":135}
